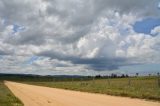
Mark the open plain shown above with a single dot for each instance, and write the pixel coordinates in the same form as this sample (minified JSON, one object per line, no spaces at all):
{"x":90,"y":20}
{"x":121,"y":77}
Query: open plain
{"x":32,"y":95}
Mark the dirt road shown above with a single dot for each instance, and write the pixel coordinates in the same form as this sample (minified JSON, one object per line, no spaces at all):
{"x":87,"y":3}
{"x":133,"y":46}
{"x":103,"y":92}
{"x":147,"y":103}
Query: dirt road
{"x":32,"y":95}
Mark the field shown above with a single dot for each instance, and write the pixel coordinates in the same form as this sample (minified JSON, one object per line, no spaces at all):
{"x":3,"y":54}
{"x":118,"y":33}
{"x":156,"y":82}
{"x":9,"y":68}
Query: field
{"x":32,"y":95}
{"x":141,"y":87}
{"x":134,"y":87}
{"x":7,"y":98}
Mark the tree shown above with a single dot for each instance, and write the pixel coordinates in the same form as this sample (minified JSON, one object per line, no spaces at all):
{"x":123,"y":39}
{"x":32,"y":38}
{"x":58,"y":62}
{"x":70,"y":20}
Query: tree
{"x":122,"y":76}
{"x":113,"y":75}
{"x":127,"y":75}
{"x":98,"y":76}
{"x":137,"y":74}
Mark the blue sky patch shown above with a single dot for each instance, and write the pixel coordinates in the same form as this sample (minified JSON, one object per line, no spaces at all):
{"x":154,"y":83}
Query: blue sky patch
{"x":146,"y":25}
{"x":32,"y":59}
{"x":17,"y":28}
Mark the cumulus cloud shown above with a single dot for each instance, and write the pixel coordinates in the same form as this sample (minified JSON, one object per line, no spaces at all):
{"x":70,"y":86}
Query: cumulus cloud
{"x":156,"y":31}
{"x":76,"y":35}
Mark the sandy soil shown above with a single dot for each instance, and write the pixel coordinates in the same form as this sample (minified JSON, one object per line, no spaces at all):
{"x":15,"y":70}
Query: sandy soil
{"x":32,"y":95}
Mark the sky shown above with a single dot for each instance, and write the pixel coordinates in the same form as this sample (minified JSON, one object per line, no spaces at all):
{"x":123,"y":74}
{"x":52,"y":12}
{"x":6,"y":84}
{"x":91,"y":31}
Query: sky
{"x":79,"y":37}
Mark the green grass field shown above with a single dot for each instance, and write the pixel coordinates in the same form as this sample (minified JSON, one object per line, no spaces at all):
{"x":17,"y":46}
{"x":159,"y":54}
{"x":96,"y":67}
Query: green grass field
{"x":7,"y":98}
{"x":136,"y":87}
{"x":141,"y":87}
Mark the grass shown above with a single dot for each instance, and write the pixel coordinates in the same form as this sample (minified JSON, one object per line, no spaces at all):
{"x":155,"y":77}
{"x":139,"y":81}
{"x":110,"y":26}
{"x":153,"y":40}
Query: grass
{"x":141,"y":87}
{"x":7,"y":98}
{"x":136,"y":87}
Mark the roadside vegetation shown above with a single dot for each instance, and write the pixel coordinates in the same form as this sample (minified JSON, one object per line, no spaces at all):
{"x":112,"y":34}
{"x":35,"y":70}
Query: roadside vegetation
{"x":7,"y":98}
{"x":141,"y":87}
{"x":147,"y":87}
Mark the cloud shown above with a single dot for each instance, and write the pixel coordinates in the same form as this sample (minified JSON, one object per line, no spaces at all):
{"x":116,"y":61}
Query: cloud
{"x":76,"y":35}
{"x":98,"y":64}
{"x":159,"y":5}
{"x":155,"y":31}
{"x":3,"y":53}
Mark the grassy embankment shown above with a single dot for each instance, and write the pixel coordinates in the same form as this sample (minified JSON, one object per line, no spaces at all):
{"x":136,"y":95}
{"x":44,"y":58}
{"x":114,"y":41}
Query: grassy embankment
{"x":7,"y":98}
{"x":141,"y":87}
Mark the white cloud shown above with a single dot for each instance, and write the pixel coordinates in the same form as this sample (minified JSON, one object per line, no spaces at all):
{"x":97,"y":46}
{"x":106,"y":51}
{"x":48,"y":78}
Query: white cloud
{"x":159,"y":5}
{"x":156,"y":31}
{"x":76,"y":35}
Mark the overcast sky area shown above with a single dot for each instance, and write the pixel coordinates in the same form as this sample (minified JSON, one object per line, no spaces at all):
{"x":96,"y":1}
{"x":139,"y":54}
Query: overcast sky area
{"x":79,"y":37}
